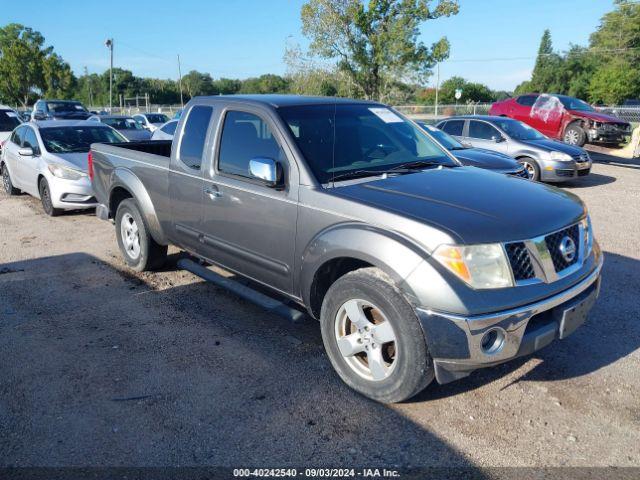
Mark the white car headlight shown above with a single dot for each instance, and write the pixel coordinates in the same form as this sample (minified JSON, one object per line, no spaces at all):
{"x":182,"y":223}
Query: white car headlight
{"x":480,"y":266}
{"x":560,"y":156}
{"x":66,"y":173}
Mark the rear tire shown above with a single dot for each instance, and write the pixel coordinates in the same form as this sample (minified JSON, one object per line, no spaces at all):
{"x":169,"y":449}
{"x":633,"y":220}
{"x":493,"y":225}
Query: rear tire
{"x":7,"y":184}
{"x":140,"y":251}
{"x":45,"y":198}
{"x":575,"y":135}
{"x":373,"y":337}
{"x":532,"y":168}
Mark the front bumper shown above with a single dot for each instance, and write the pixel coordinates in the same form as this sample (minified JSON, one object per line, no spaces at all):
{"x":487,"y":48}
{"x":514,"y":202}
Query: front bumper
{"x":71,"y":194}
{"x":563,"y":171}
{"x":608,"y":134}
{"x":456,"y":342}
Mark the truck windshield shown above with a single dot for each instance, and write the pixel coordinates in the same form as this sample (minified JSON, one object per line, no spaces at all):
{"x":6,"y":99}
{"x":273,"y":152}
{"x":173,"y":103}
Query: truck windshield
{"x":157,"y":117}
{"x":518,"y":130}
{"x":339,"y":139}
{"x":77,"y":139}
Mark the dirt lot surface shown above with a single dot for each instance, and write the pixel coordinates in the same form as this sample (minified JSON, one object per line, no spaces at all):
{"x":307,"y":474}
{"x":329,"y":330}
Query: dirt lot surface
{"x":103,"y":367}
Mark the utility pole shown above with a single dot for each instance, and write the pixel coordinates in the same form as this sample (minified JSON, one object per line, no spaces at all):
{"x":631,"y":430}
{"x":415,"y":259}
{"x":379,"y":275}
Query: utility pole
{"x":437,"y":87}
{"x":86,"y":74}
{"x":109,"y":45}
{"x":180,"y":82}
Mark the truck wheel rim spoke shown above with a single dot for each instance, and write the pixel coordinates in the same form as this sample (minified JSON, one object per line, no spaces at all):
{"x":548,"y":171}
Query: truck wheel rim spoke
{"x":130,"y":235}
{"x":366,"y":339}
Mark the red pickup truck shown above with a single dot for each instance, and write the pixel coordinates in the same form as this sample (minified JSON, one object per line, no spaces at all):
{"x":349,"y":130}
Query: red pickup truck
{"x":563,"y":118}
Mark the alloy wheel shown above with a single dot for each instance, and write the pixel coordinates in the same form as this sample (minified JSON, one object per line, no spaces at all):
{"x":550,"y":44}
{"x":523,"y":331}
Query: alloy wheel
{"x":130,"y":236}
{"x":366,"y":339}
{"x":530,"y":169}
{"x":571,"y":137}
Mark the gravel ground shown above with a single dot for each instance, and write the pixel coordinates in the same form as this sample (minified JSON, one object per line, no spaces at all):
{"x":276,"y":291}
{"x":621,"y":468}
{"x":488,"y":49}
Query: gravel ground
{"x":101,"y":367}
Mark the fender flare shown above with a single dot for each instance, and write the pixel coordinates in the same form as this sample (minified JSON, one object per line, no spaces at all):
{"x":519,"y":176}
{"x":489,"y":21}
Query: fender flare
{"x":124,"y":178}
{"x":395,"y":255}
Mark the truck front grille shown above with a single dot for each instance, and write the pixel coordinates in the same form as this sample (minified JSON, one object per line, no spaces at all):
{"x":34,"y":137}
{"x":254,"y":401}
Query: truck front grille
{"x":554,"y":241}
{"x":520,"y":261}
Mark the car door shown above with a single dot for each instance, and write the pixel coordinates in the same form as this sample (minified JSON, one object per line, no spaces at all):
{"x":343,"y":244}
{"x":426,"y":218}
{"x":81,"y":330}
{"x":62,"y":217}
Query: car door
{"x":522,"y":108}
{"x":248,"y":226}
{"x":185,"y":178}
{"x":482,"y":134}
{"x":12,"y":157}
{"x":28,"y":164}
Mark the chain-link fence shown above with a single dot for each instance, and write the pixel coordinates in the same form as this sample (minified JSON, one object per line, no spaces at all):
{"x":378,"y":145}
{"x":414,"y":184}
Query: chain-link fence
{"x":169,"y":110}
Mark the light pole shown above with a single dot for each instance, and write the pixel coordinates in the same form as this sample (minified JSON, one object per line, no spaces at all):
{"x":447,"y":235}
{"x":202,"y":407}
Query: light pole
{"x":109,"y":45}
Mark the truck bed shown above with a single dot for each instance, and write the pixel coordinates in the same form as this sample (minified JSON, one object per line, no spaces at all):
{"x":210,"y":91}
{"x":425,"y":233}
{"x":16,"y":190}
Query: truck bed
{"x":154,"y":152}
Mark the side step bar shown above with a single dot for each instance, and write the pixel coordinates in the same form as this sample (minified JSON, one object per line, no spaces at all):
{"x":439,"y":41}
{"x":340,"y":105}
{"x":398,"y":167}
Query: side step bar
{"x":242,"y":291}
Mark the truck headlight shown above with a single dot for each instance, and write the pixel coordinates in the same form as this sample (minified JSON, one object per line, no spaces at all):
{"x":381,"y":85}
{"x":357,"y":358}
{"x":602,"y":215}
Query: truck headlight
{"x":480,"y":266}
{"x":560,"y":156}
{"x":588,"y":235}
{"x":66,"y":173}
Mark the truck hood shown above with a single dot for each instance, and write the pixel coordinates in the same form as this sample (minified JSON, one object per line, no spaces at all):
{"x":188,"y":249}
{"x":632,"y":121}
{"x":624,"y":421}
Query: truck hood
{"x":470,"y":204}
{"x":554,"y":145}
{"x":479,"y":157}
{"x":597,"y":116}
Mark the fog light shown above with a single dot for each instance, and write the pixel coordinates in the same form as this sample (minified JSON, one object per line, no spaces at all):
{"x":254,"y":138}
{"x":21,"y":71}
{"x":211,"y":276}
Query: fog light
{"x":492,"y":341}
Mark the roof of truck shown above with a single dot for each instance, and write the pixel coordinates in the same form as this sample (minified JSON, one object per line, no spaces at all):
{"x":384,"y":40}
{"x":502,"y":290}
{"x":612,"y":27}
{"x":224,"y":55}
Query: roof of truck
{"x":276,"y":100}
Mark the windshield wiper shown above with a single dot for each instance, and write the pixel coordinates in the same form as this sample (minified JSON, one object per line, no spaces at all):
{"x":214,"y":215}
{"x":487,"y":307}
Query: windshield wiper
{"x":369,"y":173}
{"x":417,"y":165}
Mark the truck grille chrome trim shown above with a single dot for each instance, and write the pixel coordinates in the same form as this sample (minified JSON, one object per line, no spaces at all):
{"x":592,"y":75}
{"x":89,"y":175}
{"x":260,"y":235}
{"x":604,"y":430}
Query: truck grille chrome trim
{"x":547,"y":258}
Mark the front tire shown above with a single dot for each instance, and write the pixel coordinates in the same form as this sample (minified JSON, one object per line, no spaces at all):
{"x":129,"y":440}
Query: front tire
{"x":7,"y":184}
{"x":532,"y":168}
{"x":575,"y":135}
{"x":140,"y":251}
{"x":373,"y":337}
{"x":45,"y":198}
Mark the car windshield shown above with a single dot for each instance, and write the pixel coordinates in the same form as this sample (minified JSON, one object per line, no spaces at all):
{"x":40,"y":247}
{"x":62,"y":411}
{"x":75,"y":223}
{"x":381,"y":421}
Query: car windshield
{"x":337,"y":140}
{"x":446,"y":140}
{"x":58,"y":107}
{"x":518,"y":130}
{"x":575,"y":104}
{"x":8,"y":120}
{"x":77,"y":139}
{"x":122,"y":123}
{"x":157,"y":117}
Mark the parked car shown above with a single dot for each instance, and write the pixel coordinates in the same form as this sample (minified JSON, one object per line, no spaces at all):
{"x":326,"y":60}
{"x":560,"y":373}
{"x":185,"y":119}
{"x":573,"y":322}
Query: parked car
{"x":416,"y":266}
{"x":59,"y":110}
{"x":151,"y":121}
{"x":563,"y":118}
{"x":48,"y":160}
{"x":544,"y":159}
{"x":124,"y":124}
{"x":25,"y":115}
{"x":9,"y":119}
{"x":476,"y":157}
{"x":166,"y":131}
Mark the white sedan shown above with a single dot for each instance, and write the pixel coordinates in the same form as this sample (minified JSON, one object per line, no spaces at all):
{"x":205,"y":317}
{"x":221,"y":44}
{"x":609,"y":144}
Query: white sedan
{"x":151,"y":121}
{"x":48,"y":160}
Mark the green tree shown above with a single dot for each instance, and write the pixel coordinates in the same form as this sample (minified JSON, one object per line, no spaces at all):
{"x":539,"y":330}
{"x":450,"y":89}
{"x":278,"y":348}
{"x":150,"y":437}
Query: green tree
{"x":613,"y":83}
{"x":376,"y":44}
{"x":226,"y":86}
{"x":547,"y":67}
{"x":22,"y":53}
{"x":268,"y":83}
{"x":197,"y":83}
{"x":471,"y":92}
{"x":59,"y":80}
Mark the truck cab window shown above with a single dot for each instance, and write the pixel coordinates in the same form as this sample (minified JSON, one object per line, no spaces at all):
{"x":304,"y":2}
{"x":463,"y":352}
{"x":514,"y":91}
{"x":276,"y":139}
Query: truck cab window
{"x":194,"y":136}
{"x":245,"y":136}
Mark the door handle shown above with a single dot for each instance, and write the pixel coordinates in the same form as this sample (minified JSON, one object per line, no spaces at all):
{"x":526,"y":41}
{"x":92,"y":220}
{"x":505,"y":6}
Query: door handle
{"x":212,"y":192}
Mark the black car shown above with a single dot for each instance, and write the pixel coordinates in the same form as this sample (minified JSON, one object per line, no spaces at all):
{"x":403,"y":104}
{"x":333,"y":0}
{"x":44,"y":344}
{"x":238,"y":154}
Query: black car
{"x":476,"y":157}
{"x":59,"y":110}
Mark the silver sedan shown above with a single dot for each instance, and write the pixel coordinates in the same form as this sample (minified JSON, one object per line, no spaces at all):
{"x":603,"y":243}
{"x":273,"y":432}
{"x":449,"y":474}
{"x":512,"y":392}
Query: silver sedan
{"x":545,"y":160}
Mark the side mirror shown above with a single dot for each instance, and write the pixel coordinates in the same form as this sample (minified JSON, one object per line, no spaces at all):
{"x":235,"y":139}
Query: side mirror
{"x":267,"y":170}
{"x":26,"y":152}
{"x":498,"y":138}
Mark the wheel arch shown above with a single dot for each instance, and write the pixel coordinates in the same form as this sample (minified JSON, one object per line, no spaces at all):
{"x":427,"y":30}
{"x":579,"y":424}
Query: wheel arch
{"x":348,"y":247}
{"x":125,"y":184}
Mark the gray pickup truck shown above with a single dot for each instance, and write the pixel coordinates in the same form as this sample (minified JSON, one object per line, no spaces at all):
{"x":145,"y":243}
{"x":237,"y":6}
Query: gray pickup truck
{"x":417,"y":267}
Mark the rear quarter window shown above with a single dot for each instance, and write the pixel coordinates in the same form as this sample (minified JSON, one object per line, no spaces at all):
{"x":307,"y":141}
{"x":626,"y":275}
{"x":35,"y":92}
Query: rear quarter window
{"x":194,"y":136}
